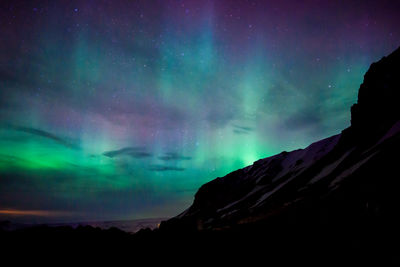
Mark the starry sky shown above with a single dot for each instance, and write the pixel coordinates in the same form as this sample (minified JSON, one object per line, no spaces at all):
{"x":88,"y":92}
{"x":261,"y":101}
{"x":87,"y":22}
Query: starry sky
{"x":113,"y":110}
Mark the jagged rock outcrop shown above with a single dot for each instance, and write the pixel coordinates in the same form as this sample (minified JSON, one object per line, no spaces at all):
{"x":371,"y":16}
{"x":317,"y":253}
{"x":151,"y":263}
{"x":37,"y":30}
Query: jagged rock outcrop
{"x":378,"y":97}
{"x":346,"y":178}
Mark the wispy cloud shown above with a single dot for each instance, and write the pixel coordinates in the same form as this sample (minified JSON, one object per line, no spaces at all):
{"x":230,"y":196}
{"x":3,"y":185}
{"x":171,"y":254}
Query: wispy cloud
{"x":174,"y":156}
{"x":163,"y":168}
{"x":135,"y":152}
{"x":62,"y":141}
{"x":237,"y":129}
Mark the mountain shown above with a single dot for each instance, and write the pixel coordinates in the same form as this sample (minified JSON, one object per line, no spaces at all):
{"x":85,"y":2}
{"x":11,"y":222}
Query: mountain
{"x":128,"y":226}
{"x":347,"y":180}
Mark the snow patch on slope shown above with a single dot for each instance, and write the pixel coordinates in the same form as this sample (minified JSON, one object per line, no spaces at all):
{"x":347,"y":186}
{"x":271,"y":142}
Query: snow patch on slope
{"x":308,"y":156}
{"x":392,"y":132}
{"x":329,"y":169}
{"x":294,"y":162}
{"x":349,"y":171}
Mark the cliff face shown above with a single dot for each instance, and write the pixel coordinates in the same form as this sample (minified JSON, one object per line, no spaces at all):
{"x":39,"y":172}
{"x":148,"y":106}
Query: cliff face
{"x":378,"y":97}
{"x":348,"y":177}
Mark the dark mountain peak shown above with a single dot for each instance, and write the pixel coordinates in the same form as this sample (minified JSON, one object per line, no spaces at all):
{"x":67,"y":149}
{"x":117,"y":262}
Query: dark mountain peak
{"x":377,"y":108}
{"x":346,"y":177}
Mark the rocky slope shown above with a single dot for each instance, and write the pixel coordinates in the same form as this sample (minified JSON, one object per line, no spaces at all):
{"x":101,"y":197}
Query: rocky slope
{"x":344,"y":179}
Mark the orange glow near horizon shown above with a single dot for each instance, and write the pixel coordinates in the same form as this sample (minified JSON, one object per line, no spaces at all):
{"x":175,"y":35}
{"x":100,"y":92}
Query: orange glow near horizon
{"x":41,"y":213}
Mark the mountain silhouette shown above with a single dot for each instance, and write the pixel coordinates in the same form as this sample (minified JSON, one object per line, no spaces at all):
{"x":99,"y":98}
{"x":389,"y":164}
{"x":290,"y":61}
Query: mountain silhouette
{"x":339,"y":192}
{"x":344,"y":178}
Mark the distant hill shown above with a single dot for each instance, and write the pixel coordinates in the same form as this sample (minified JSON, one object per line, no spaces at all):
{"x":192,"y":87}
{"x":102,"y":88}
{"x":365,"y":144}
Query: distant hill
{"x":129,"y":226}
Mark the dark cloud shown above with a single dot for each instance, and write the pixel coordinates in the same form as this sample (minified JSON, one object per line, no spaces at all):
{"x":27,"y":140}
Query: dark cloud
{"x":141,"y":154}
{"x":163,"y":168}
{"x":134,"y":152}
{"x":174,"y":156}
{"x":48,"y":135}
{"x":239,"y":132}
{"x":247,"y":129}
{"x":237,"y":129}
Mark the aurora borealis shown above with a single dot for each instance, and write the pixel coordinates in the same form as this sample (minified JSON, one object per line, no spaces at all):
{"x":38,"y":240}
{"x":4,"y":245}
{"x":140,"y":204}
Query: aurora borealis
{"x":115,"y":110}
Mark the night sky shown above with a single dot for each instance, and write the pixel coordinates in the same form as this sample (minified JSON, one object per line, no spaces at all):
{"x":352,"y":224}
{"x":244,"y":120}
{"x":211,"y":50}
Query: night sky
{"x":115,"y":110}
